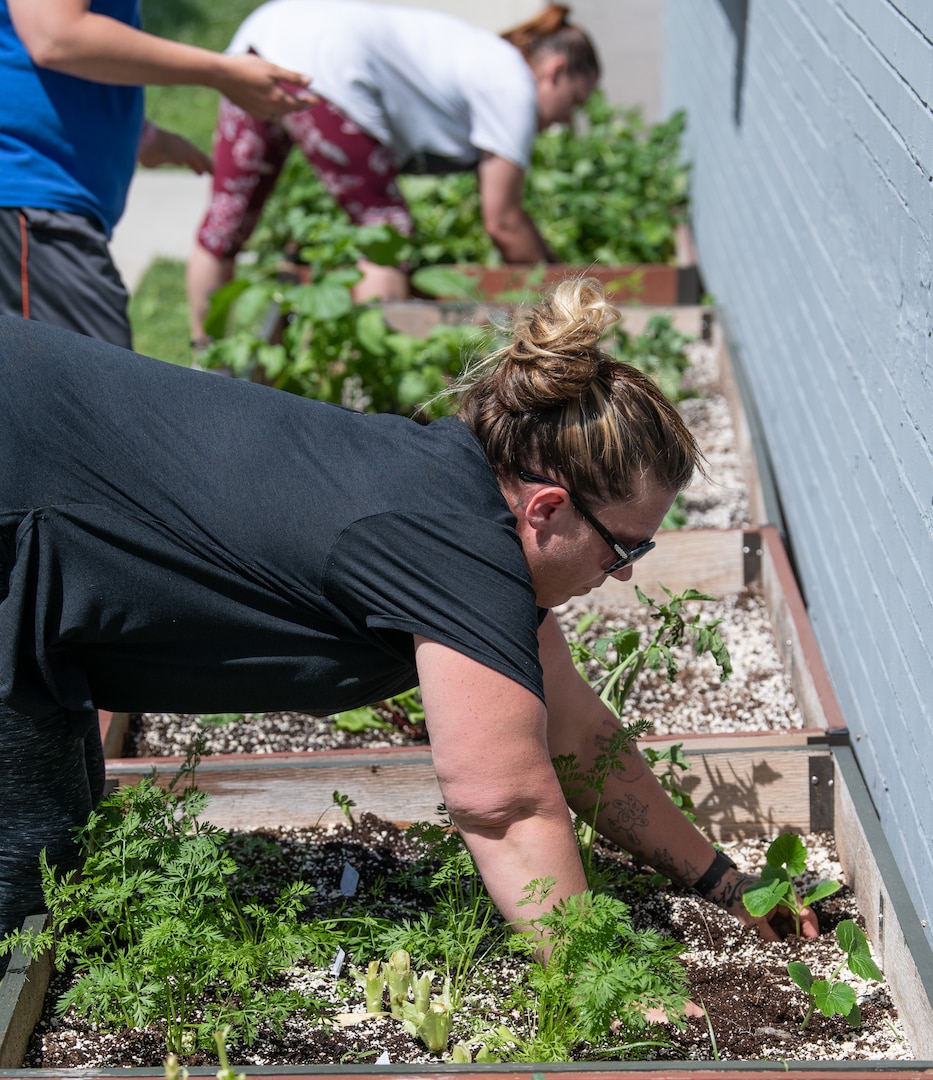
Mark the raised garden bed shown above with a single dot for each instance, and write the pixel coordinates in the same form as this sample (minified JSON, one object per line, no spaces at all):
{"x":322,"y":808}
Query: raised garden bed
{"x":740,"y":791}
{"x":677,"y":282}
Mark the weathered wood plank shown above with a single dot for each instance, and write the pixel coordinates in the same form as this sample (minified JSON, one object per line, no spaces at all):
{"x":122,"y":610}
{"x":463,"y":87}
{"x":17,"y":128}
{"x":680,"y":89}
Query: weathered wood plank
{"x":892,"y":923}
{"x":22,"y":995}
{"x":744,"y":792}
{"x":711,"y":560}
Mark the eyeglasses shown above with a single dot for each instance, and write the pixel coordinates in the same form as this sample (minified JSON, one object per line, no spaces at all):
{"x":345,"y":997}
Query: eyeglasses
{"x":624,"y":556}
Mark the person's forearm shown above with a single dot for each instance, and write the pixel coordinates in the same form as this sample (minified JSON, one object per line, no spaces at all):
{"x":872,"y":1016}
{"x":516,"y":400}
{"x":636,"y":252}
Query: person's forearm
{"x":638,"y":815}
{"x":536,"y":847}
{"x":519,"y":241}
{"x":106,"y":50}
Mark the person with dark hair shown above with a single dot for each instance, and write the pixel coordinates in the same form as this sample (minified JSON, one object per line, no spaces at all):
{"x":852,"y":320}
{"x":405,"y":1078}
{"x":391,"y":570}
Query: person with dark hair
{"x":401,"y":90}
{"x":152,"y":559}
{"x":71,"y":133}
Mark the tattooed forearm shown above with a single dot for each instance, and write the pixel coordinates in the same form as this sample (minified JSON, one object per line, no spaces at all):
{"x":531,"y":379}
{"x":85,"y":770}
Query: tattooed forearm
{"x":663,"y":862}
{"x":728,"y":895}
{"x":627,"y":816}
{"x":629,"y":765}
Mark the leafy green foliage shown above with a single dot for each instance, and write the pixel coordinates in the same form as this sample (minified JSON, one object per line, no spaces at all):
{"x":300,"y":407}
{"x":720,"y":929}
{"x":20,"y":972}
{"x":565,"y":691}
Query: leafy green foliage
{"x":601,"y":974}
{"x":331,"y":348}
{"x":660,"y":351}
{"x":462,"y":923}
{"x":406,"y":708}
{"x":834,"y":998}
{"x":619,"y":656}
{"x":667,"y":763}
{"x":785,"y":859}
{"x":154,"y":932}
{"x":607,"y":189}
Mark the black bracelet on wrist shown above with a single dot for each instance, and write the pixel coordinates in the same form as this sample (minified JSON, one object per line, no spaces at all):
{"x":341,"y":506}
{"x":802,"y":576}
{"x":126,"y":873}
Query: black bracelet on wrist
{"x":720,"y":864}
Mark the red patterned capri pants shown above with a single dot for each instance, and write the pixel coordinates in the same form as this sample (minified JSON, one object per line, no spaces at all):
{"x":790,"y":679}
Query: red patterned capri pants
{"x":248,"y":157}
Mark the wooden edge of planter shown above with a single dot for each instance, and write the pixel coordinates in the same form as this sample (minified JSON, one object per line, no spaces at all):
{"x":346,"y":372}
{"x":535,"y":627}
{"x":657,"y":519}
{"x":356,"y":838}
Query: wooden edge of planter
{"x":22,"y":994}
{"x":735,"y":791}
{"x":739,"y":789}
{"x":794,"y":635}
{"x":745,"y":443}
{"x":903,"y":952}
{"x":668,"y":284}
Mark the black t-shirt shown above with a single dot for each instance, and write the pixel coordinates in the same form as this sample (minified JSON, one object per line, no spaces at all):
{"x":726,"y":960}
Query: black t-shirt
{"x":175,"y":540}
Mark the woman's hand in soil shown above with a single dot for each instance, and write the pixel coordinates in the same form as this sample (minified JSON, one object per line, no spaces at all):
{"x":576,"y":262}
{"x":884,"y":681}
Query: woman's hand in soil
{"x":777,"y":924}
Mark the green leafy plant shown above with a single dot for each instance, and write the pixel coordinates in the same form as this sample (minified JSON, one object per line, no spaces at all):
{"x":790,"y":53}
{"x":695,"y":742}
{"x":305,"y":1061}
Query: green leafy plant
{"x":424,"y":1014}
{"x":601,"y":975}
{"x":591,"y":782}
{"x":406,"y":710}
{"x":153,"y":931}
{"x":606,"y":189}
{"x":659,"y":351}
{"x":834,"y":998}
{"x":785,"y":859}
{"x":462,"y":924}
{"x":331,"y":348}
{"x":613,"y":662}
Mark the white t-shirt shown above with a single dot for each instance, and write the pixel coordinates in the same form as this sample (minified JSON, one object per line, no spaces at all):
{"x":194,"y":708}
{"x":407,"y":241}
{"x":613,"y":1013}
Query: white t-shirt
{"x":421,"y":82}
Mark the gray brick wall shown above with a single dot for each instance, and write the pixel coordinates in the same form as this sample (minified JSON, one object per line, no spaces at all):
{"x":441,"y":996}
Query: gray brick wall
{"x":811,"y":134}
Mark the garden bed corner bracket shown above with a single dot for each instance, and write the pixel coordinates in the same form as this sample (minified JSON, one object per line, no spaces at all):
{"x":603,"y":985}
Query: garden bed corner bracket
{"x":752,"y":553}
{"x":821,"y":770}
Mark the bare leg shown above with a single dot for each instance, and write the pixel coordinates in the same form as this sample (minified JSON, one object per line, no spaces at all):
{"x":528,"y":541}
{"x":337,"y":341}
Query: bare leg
{"x":205,"y":275}
{"x":380,"y":283}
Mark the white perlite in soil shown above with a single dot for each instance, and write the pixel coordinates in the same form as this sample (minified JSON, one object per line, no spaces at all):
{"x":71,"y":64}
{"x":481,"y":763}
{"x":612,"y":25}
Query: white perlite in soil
{"x":720,"y":500}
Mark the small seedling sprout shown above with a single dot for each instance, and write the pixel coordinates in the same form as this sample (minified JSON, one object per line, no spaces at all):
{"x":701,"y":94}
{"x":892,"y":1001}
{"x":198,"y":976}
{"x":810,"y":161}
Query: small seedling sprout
{"x":838,"y":998}
{"x":785,"y":860}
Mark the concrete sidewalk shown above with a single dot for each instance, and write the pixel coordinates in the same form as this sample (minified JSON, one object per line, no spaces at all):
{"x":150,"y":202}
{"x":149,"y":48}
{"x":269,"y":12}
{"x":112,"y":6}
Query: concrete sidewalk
{"x":162,"y":214}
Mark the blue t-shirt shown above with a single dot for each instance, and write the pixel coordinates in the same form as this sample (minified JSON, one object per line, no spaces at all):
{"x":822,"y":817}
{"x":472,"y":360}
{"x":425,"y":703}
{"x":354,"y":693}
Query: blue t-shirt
{"x":175,"y":540}
{"x":66,"y":143}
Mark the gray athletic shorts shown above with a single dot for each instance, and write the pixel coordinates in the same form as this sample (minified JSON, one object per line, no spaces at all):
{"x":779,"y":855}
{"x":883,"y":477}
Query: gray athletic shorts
{"x":55,"y":267}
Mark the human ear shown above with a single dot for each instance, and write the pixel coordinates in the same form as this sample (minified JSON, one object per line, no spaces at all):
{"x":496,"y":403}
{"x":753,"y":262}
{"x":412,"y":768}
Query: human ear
{"x":545,"y":507}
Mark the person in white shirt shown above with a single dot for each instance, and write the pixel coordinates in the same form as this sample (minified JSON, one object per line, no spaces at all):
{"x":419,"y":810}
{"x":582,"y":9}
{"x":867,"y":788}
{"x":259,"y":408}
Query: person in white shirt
{"x":399,"y":90}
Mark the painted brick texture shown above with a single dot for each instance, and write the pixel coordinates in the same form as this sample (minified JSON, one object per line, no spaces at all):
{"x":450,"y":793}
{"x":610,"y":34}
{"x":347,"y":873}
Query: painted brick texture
{"x":811,"y":137}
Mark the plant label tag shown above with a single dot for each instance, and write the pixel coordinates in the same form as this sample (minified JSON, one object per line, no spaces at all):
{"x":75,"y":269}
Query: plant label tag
{"x":349,"y":880}
{"x":337,"y":965}
{"x":383,"y":1058}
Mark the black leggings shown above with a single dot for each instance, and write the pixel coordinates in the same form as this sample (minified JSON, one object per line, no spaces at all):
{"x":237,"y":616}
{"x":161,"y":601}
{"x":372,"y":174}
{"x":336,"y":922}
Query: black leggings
{"x":50,"y":780}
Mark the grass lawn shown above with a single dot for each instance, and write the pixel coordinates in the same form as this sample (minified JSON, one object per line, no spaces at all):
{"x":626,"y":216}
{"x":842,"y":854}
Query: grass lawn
{"x":191,"y":110}
{"x":159,"y":313}
{"x":158,"y":307}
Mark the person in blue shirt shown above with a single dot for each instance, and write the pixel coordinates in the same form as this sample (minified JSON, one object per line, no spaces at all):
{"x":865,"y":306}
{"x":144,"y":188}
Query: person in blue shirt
{"x":72,"y":74}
